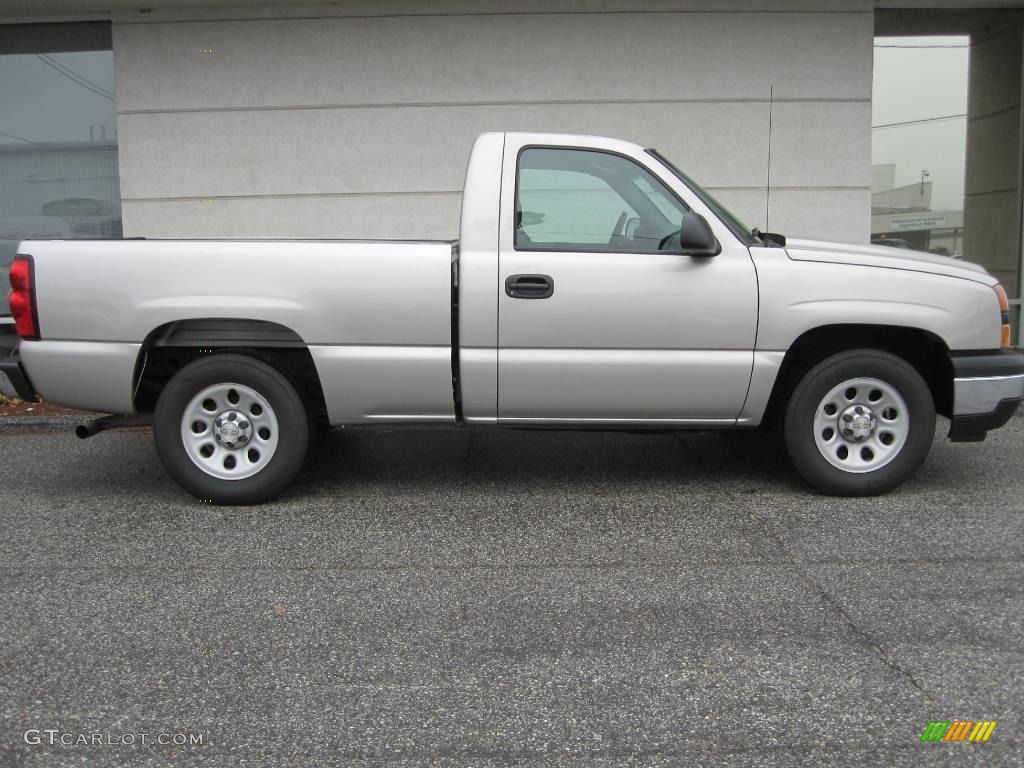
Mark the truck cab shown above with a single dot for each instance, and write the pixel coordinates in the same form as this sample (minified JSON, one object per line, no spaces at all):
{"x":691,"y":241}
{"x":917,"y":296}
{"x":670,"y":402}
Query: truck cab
{"x":577,"y":302}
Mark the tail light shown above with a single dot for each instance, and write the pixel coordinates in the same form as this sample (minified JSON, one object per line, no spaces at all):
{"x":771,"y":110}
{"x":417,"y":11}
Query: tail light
{"x":22,"y":298}
{"x":1004,"y":317}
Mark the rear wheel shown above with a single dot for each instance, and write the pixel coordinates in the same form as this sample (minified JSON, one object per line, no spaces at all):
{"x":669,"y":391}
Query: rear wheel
{"x":859,"y":423}
{"x":231,"y":429}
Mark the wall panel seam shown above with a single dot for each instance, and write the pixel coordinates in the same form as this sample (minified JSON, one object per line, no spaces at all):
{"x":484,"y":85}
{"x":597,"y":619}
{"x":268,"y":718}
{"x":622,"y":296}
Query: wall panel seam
{"x":991,"y":192}
{"x":793,"y":188}
{"x":995,"y":113}
{"x":504,"y":103}
{"x":450,"y":192}
{"x":485,"y":14}
{"x":297,"y":195}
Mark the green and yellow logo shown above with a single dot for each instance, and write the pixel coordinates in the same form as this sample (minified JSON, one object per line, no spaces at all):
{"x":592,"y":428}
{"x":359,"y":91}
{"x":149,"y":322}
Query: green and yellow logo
{"x":958,"y":730}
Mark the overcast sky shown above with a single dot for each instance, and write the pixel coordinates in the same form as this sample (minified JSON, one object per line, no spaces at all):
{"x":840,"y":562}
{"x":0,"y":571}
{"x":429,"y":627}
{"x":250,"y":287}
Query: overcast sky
{"x":912,"y":83}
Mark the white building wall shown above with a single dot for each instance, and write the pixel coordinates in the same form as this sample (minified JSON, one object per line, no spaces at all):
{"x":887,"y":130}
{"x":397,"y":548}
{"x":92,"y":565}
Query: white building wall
{"x":355,"y":119}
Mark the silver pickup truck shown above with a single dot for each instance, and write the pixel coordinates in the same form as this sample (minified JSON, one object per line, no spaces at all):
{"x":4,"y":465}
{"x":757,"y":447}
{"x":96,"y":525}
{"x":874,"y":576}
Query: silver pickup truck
{"x":593,"y":286}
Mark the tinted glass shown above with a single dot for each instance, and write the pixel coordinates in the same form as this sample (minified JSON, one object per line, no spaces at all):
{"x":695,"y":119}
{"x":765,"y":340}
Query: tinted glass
{"x":58,"y":148}
{"x":738,"y":228}
{"x":580,"y":200}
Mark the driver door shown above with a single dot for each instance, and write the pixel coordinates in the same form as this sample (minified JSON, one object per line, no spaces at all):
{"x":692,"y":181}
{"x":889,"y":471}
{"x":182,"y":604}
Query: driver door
{"x":598,"y":322}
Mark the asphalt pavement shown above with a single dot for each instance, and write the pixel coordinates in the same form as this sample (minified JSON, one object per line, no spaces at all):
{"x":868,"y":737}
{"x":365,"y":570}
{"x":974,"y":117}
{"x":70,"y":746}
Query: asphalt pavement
{"x":463,"y":597}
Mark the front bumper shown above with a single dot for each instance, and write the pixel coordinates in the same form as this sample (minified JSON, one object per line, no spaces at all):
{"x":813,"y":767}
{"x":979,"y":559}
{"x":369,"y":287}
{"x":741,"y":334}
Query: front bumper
{"x":11,"y":367}
{"x":987,"y":389}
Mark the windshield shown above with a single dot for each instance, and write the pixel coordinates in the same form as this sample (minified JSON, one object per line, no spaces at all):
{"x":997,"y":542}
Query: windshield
{"x":738,"y":228}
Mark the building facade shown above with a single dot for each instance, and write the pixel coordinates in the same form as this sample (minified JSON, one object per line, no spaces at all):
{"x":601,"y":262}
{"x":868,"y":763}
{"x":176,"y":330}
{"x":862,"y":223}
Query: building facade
{"x":354,"y":119}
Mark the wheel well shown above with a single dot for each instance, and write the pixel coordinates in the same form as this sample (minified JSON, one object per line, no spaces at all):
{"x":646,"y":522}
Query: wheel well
{"x":172,"y":346}
{"x":924,"y":350}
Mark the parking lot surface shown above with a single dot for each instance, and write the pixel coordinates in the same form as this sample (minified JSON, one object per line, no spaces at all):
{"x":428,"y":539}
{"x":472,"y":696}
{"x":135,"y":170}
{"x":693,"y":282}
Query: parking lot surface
{"x":485,"y":598}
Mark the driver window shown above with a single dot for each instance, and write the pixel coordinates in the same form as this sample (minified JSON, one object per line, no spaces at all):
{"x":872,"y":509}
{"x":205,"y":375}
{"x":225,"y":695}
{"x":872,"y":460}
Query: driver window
{"x":583,"y":200}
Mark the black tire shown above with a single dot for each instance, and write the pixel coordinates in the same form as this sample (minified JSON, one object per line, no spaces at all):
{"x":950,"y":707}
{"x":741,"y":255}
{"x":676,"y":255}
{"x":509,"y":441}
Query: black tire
{"x":810,"y":393}
{"x":286,"y":407}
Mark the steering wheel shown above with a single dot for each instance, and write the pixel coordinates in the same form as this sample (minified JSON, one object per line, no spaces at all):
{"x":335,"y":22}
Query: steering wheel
{"x":619,"y":226}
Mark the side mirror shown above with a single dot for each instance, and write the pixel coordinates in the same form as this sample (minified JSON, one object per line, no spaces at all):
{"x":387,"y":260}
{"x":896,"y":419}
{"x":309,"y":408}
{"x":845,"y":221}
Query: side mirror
{"x":696,"y":237}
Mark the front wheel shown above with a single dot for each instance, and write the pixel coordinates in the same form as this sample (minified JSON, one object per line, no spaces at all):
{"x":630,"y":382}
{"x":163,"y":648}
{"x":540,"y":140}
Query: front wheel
{"x":859,"y":423}
{"x":231,"y":429}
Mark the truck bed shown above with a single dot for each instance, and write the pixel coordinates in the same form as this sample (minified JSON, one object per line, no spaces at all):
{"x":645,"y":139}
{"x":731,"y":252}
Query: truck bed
{"x":375,"y":315}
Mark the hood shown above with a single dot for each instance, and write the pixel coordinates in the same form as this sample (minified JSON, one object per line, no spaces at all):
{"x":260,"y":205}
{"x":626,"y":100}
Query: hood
{"x":885,"y":257}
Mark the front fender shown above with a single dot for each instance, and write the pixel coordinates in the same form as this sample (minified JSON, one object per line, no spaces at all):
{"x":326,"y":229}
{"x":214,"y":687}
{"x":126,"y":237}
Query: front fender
{"x":797,"y":297}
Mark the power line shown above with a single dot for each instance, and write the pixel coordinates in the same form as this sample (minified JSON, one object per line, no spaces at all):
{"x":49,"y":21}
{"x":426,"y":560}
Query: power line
{"x":19,"y":138}
{"x":78,"y":78}
{"x":74,"y":76}
{"x":918,"y":122}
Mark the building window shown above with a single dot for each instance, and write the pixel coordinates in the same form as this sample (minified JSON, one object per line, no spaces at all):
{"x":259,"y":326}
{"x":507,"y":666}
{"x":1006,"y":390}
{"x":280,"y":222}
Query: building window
{"x":947,"y":139}
{"x":58,"y":134}
{"x":919,"y":143}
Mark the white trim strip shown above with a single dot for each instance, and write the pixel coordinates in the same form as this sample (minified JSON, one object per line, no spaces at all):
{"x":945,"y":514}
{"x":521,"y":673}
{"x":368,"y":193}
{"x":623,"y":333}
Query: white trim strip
{"x":969,"y":379}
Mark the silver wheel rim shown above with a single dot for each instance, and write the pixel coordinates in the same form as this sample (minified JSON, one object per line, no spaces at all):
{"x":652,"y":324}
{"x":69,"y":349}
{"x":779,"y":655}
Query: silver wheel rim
{"x":861,"y":425}
{"x":229,"y":431}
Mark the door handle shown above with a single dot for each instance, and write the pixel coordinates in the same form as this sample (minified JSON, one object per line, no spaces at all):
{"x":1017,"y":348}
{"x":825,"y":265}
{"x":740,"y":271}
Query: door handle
{"x":529,"y":286}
